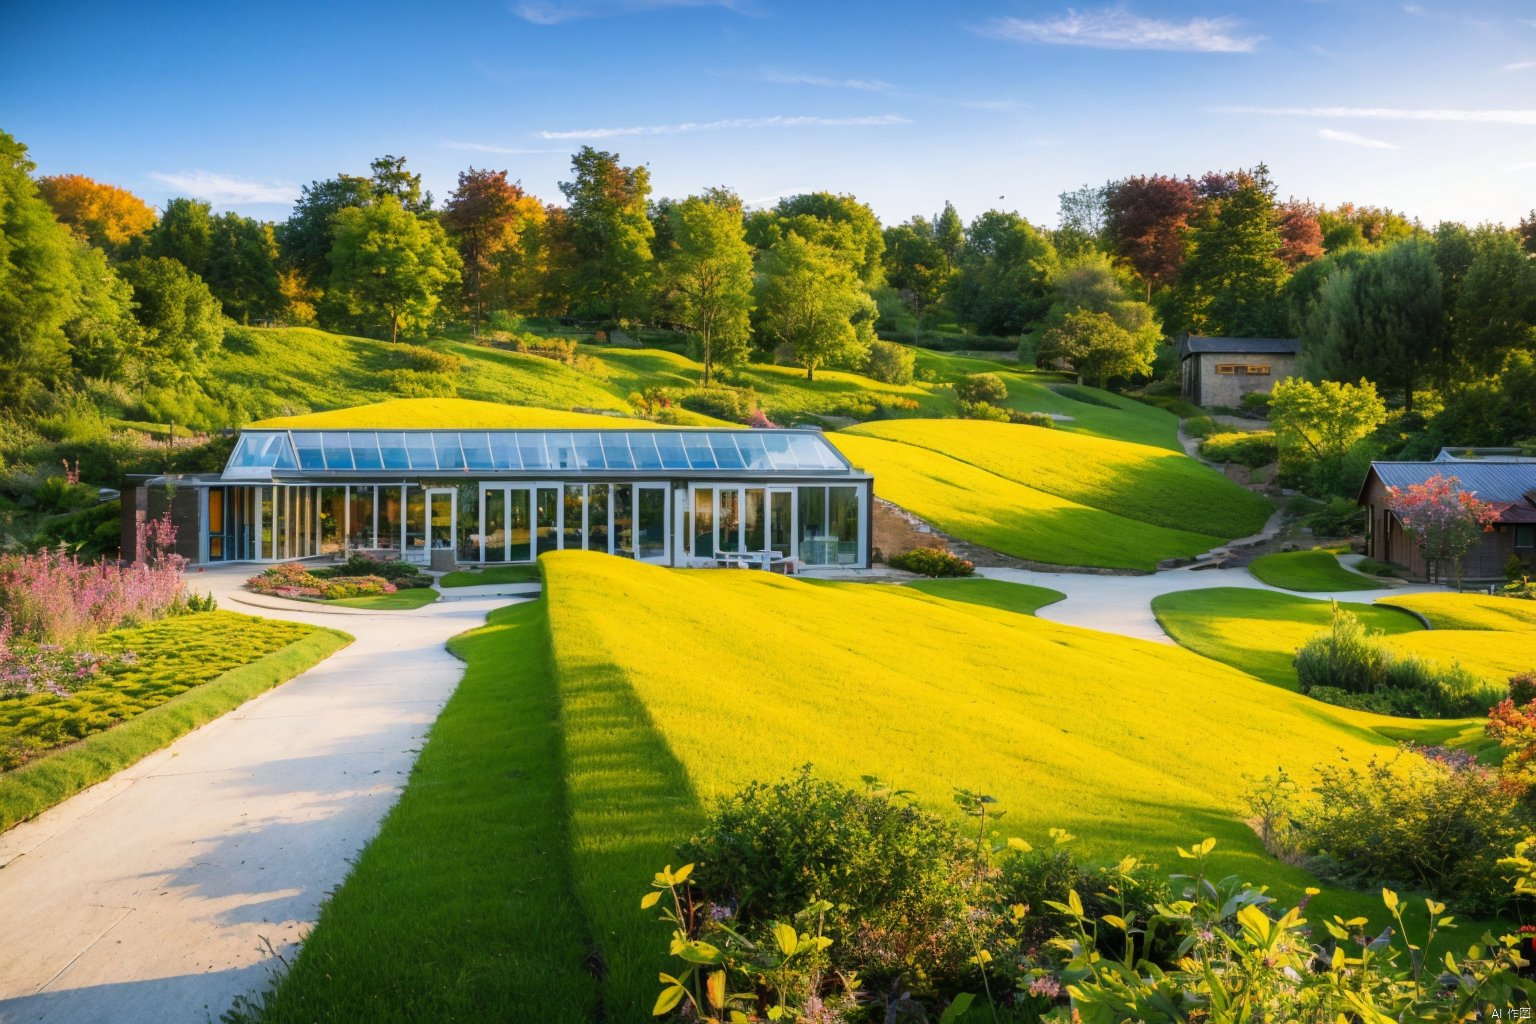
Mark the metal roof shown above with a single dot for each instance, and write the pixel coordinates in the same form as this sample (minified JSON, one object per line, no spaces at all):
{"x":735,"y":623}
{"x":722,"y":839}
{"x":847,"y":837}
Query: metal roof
{"x":332,"y":453}
{"x":1498,"y":482}
{"x":1196,"y":344}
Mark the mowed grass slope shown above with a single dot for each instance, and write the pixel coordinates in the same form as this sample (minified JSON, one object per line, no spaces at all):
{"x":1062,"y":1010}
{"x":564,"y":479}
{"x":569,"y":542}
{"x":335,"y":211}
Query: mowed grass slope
{"x":1308,"y":572}
{"x":676,"y":688}
{"x":978,"y":506}
{"x":1136,"y":481}
{"x":1468,"y":611}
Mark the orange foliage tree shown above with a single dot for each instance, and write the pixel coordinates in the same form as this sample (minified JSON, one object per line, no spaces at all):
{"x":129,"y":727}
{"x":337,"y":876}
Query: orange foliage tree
{"x":104,"y":215}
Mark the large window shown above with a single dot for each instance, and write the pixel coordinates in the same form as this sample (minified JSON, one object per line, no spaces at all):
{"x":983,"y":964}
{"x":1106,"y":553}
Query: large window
{"x":704,"y":522}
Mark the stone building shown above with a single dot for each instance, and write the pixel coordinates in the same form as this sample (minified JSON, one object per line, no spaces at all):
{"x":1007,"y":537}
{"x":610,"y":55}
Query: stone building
{"x":1220,"y":371}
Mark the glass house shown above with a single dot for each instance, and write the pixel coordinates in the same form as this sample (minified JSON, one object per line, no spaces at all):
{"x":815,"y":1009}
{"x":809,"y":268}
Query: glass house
{"x":672,"y":496}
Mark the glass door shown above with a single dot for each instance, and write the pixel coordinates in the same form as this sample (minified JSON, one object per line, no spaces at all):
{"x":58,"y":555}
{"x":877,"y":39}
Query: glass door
{"x":442,"y":519}
{"x":493,"y":525}
{"x":546,"y":522}
{"x":651,"y":523}
{"x":781,"y":521}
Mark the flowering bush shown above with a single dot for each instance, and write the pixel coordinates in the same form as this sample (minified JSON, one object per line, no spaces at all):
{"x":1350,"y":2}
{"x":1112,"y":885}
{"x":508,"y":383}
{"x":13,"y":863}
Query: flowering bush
{"x":295,"y":581}
{"x":758,"y":420}
{"x":27,"y":667}
{"x":932,"y":562}
{"x":1445,"y":520}
{"x":57,"y":598}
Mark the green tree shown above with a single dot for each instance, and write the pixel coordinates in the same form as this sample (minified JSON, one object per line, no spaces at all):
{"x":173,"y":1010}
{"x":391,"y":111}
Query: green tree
{"x":708,"y":273}
{"x":496,"y":227}
{"x":812,"y":301}
{"x":1495,"y":306}
{"x":1096,"y":346}
{"x":1005,"y":274}
{"x":387,"y":262}
{"x":949,"y":232}
{"x":184,"y":233}
{"x":1317,"y":426}
{"x":916,"y":265}
{"x":242,"y":269}
{"x":1381,"y":320}
{"x":609,"y":259}
{"x":103,"y":334}
{"x":390,"y":178}
{"x":180,"y":317}
{"x":304,"y":239}
{"x":839,"y":223}
{"x":1230,"y":283}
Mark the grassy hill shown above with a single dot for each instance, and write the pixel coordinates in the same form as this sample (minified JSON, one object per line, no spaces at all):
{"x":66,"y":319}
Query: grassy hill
{"x":1133,"y":746}
{"x":1136,"y":481}
{"x":444,"y":413}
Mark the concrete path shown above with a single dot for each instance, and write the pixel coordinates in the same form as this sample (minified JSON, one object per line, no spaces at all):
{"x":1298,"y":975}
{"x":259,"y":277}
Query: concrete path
{"x":1123,"y":604}
{"x":149,"y":898}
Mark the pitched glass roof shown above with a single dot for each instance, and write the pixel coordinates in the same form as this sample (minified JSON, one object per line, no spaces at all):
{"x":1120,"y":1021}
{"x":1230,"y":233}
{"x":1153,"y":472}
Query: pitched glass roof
{"x":261,"y":453}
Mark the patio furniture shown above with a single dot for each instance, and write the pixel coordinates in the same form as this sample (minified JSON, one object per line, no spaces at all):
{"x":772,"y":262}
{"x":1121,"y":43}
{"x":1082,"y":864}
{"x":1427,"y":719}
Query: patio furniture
{"x":748,"y":559}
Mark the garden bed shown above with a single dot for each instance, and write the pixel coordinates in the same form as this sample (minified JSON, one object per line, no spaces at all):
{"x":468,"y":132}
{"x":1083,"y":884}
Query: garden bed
{"x":359,"y":582}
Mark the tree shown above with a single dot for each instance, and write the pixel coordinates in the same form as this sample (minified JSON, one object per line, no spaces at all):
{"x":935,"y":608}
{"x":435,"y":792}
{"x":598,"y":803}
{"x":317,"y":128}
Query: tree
{"x":241,"y":270}
{"x":1317,"y":426}
{"x":106,"y":216}
{"x":1347,"y":224}
{"x":1381,"y":320}
{"x":1495,"y":306}
{"x":179,"y":316}
{"x":304,"y":239}
{"x":1145,"y":219}
{"x":386,"y":260}
{"x":103,"y":334}
{"x":811,"y":300}
{"x":1231,"y":282}
{"x":708,"y":272}
{"x":839,"y":223}
{"x":610,"y":236}
{"x":390,"y":178}
{"x":495,"y":225}
{"x":184,"y":234}
{"x":916,"y":266}
{"x":1301,"y":238}
{"x":1445,"y":520}
{"x":1527,"y":231}
{"x":949,"y":232}
{"x":1097,"y":347}
{"x":1005,"y":273}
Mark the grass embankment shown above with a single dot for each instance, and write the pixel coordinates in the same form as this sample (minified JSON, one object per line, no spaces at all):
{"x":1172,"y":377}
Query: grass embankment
{"x":1140,"y":482}
{"x":490,"y":575}
{"x":1021,"y":598}
{"x":712,"y":679}
{"x":1308,"y":572}
{"x":984,"y":508}
{"x":446,"y":413}
{"x":1468,"y":611}
{"x":1259,"y":631}
{"x":191,"y":670}
{"x":461,"y":909}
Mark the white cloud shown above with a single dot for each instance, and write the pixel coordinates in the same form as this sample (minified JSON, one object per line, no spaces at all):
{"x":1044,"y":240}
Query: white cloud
{"x":1115,"y":28}
{"x":481,"y":147}
{"x":821,"y":81}
{"x":225,"y":188}
{"x":991,"y":104}
{"x":730,"y":122}
{"x":553,"y":12}
{"x":1353,"y":139}
{"x":1514,"y":116}
{"x":1523,"y":65}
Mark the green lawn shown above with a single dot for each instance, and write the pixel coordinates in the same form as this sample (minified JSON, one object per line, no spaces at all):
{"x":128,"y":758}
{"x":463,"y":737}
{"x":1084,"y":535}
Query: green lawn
{"x":1468,"y":611}
{"x":1259,"y":631}
{"x":984,"y":508}
{"x":1009,"y":597}
{"x":1149,"y":484}
{"x":461,"y":909}
{"x":400,"y":600}
{"x":493,"y":574}
{"x":191,"y":669}
{"x":1308,"y":571}
{"x":709,"y":680}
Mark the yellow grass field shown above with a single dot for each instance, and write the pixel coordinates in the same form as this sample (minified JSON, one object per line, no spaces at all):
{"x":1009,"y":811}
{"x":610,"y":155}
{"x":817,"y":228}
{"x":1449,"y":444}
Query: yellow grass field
{"x":445,"y":414}
{"x":1469,"y":611}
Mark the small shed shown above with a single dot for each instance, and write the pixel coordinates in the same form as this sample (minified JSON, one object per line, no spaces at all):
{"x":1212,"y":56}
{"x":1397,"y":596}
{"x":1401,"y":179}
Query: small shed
{"x":1220,"y":371}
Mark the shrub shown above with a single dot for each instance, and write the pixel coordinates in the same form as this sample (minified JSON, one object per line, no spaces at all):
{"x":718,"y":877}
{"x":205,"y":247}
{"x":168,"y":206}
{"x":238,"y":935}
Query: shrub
{"x":1521,"y":588}
{"x":1200,"y":426}
{"x":981,"y":388}
{"x":1423,"y":823}
{"x":1522,"y":688}
{"x":295,"y":581}
{"x":362,"y":565}
{"x":732,"y":404}
{"x":1514,"y":569}
{"x":890,"y":363}
{"x":982,"y":411}
{"x":932,"y":562}
{"x":1340,"y":517}
{"x":899,"y":880}
{"x":1253,"y":449}
{"x":430,"y":360}
{"x":1255,"y":404}
{"x":417,"y":384}
{"x":1341,"y":658}
{"x":1033,"y":419}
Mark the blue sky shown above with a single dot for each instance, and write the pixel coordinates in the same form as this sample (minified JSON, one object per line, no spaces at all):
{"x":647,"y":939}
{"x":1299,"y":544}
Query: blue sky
{"x":1429,"y":108}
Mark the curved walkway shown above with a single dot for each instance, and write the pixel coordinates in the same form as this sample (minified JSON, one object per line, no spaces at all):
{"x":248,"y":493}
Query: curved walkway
{"x":152,"y":897}
{"x":1123,"y":604}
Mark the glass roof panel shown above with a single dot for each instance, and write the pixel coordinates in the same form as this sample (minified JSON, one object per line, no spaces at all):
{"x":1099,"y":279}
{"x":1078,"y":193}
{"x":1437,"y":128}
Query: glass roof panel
{"x":777,"y":447}
{"x":477,"y":450}
{"x":311,"y":456}
{"x":643,"y":447}
{"x":392,"y":448}
{"x":419,"y":447}
{"x":504,"y":451}
{"x":670,"y":447}
{"x":752,"y":450}
{"x":365,"y":449}
{"x":532,"y":448}
{"x":589,"y":450}
{"x":809,"y":452}
{"x":727,"y":455}
{"x":337,"y":447}
{"x":449,"y":454}
{"x":700,"y":455}
{"x":616,"y":454}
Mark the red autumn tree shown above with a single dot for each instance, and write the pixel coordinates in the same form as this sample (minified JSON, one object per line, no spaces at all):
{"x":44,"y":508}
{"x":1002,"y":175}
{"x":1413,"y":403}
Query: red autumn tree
{"x":1146,"y":218}
{"x":1301,"y":235}
{"x":1445,"y":520}
{"x":493,"y":222}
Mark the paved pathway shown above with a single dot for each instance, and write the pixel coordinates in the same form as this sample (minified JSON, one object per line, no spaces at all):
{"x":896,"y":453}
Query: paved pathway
{"x":148,"y":898}
{"x":1123,"y":604}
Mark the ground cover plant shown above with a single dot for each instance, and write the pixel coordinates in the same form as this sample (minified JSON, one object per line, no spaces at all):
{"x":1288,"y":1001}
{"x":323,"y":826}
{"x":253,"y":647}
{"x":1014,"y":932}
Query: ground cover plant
{"x":461,"y":907}
{"x":1308,"y":571}
{"x":1259,"y":631}
{"x":933,"y":562}
{"x":1246,"y":448}
{"x":1136,"y":481}
{"x":984,"y":508}
{"x":1061,"y":721}
{"x":185,"y":671}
